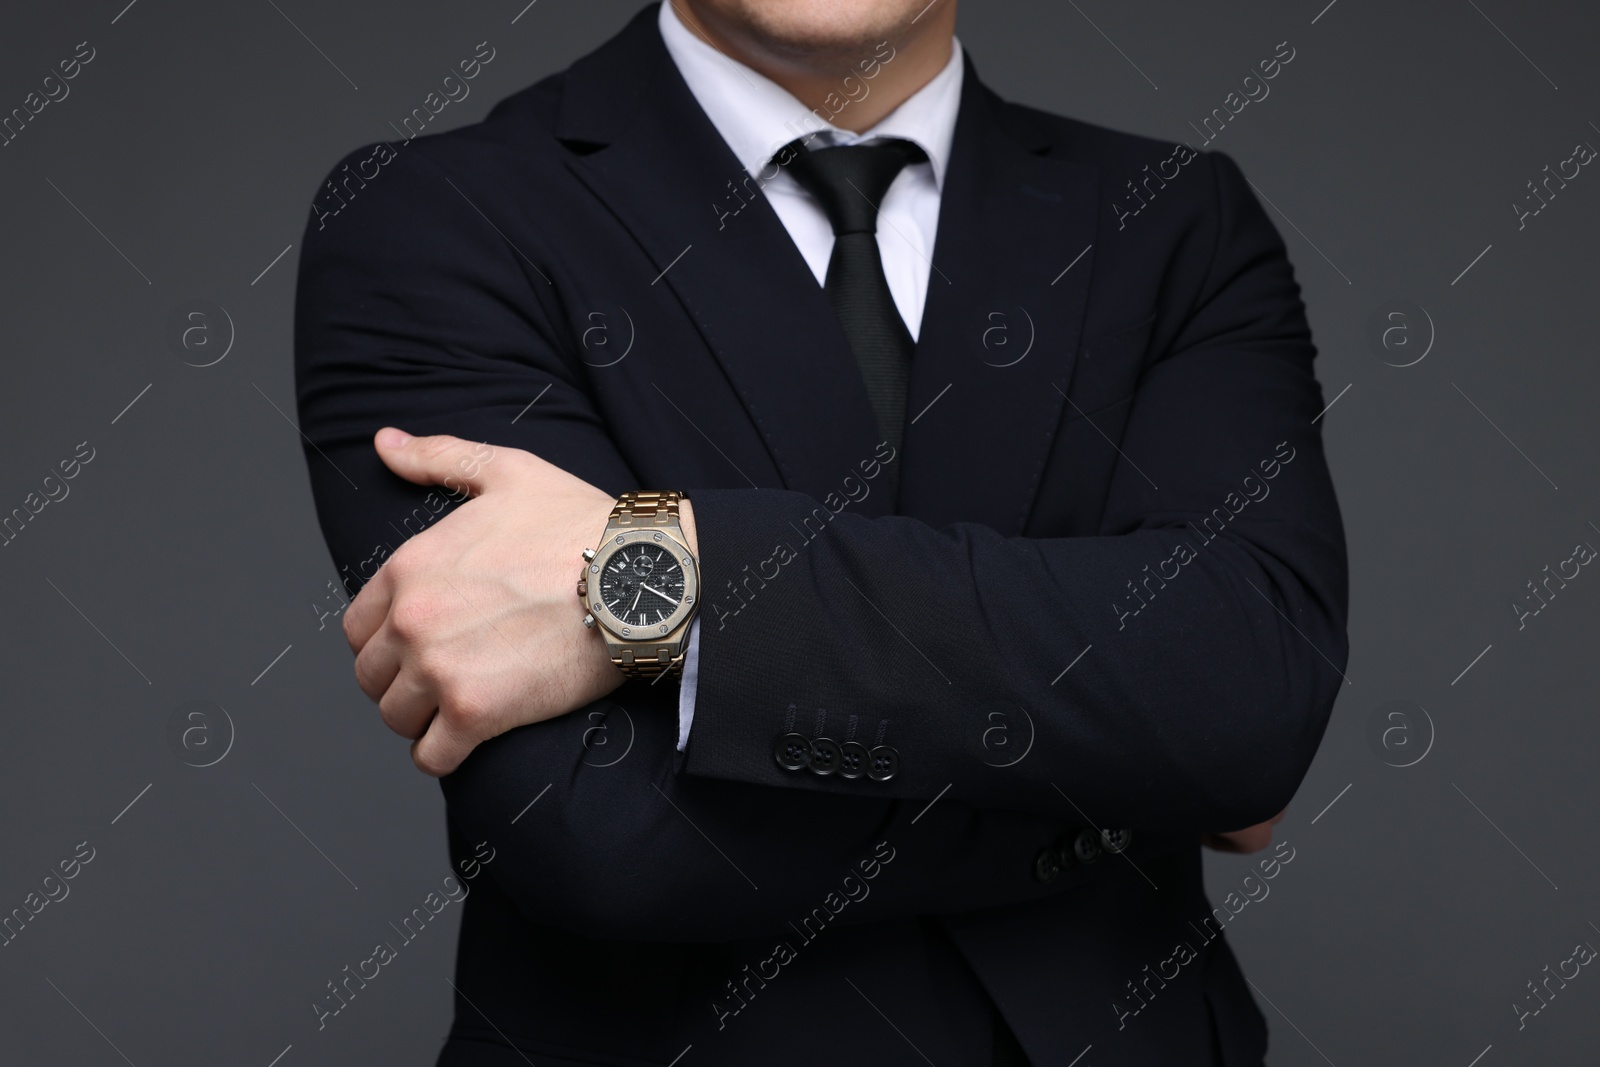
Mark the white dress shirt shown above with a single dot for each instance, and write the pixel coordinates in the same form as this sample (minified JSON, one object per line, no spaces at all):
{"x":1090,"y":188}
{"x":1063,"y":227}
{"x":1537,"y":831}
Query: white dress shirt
{"x":757,"y":117}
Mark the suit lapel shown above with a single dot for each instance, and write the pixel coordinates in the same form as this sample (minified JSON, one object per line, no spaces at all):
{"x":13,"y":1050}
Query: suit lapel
{"x":663,"y":169}
{"x":1001,"y":327}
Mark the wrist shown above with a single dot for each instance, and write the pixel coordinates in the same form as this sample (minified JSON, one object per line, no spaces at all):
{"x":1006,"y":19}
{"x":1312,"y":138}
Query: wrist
{"x":686,"y":523}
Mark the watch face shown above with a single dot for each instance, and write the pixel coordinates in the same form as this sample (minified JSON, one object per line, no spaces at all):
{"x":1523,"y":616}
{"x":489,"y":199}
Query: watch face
{"x":642,"y":585}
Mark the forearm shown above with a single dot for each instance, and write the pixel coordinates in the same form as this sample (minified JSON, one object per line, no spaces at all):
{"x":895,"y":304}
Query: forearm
{"x":1197,"y":704}
{"x":621,"y":845}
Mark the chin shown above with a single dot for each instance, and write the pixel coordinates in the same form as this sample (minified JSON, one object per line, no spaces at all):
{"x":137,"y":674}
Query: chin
{"x":813,"y":29}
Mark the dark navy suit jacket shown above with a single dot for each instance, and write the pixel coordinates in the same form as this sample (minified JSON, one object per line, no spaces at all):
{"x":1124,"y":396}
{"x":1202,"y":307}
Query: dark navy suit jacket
{"x":1110,"y":596}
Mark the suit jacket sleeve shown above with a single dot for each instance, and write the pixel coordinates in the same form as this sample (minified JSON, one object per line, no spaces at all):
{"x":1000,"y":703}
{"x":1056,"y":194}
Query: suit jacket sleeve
{"x":412,"y":310}
{"x":1209,"y":610}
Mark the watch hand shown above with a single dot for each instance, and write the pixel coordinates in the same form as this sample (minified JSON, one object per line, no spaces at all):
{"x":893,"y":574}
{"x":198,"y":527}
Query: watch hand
{"x":658,"y":593}
{"x":636,"y":597}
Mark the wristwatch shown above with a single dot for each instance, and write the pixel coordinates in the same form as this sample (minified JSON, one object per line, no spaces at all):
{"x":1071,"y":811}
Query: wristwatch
{"x":641,"y":585}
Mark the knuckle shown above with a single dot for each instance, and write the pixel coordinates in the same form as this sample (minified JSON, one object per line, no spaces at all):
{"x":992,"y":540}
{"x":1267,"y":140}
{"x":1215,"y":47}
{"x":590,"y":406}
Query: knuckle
{"x":403,"y":565}
{"x":430,"y":761}
{"x":465,"y":709}
{"x":438,"y":446}
{"x":395,"y":718}
{"x":368,"y":677}
{"x":415,"y":615}
{"x":433,"y":670}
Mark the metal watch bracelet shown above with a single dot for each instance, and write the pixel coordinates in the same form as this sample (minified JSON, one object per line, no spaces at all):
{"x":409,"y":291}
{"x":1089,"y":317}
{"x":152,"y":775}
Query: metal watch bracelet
{"x":641,"y":658}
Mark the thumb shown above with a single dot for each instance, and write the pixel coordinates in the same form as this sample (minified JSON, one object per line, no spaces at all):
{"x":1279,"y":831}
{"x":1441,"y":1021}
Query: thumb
{"x":438,"y":459}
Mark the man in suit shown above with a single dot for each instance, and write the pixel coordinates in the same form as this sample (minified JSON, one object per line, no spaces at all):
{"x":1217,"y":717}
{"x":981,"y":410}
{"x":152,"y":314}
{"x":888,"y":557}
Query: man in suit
{"x":986,"y":438}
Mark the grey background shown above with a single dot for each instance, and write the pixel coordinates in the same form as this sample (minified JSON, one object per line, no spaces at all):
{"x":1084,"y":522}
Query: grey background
{"x":186,"y":558}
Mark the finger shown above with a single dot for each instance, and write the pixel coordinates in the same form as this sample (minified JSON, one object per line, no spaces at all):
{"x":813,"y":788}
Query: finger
{"x":436,"y":460}
{"x":409,"y":705}
{"x":441,"y":749}
{"x":378,"y":663}
{"x":368,"y":610}
{"x":1251,"y":839}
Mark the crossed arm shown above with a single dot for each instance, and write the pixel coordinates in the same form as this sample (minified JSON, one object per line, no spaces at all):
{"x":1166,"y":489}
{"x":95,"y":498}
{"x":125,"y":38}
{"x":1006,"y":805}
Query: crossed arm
{"x":1203,"y":719}
{"x":468,"y":631}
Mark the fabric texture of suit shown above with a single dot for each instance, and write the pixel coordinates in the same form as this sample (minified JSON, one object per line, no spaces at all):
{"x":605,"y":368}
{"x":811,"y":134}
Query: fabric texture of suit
{"x":1096,"y":383}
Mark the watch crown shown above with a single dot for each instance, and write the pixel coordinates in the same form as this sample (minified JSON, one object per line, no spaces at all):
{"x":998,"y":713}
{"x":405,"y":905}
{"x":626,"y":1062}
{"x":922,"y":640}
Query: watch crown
{"x":583,"y":588}
{"x":588,"y":555}
{"x":588,"y":620}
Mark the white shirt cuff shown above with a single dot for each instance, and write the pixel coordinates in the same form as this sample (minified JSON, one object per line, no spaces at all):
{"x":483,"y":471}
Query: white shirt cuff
{"x":686,"y":688}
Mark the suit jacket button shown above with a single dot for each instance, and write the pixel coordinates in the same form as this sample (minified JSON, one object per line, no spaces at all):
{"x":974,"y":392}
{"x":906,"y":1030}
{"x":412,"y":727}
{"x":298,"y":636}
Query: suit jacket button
{"x":885,"y":764}
{"x":793,"y":752}
{"x":1086,"y":848}
{"x":854,"y":759}
{"x":1046,"y":866}
{"x":824,"y":756}
{"x":1115,"y":841}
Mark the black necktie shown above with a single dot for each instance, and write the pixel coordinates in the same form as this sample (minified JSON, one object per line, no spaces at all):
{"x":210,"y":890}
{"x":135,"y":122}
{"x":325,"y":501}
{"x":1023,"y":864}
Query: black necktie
{"x":849,"y":183}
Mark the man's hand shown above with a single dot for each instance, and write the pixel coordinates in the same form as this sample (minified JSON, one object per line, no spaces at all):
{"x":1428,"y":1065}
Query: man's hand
{"x":474,"y":626}
{"x":1250,"y":839}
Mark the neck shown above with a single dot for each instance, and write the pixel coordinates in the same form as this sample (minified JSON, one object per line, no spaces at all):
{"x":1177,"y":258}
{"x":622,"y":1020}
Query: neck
{"x":858,"y":85}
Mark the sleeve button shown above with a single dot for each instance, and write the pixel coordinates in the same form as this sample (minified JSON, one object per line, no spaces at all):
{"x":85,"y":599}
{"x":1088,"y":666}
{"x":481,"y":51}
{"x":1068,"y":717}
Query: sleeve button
{"x":885,"y":764}
{"x":1086,"y":848}
{"x":824,"y":756}
{"x":854,"y":759}
{"x":793,"y":752}
{"x":1115,"y":841}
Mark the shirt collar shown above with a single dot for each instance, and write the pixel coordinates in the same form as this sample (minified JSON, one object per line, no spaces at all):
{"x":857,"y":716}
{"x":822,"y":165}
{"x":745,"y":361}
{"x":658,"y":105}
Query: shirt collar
{"x":757,"y":117}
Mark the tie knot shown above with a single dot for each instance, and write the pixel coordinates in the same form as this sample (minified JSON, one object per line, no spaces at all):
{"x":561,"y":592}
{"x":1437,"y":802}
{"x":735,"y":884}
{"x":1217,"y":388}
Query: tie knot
{"x":849,"y":180}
